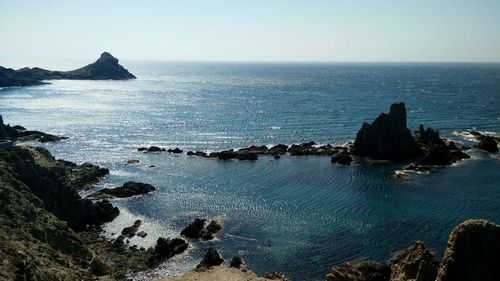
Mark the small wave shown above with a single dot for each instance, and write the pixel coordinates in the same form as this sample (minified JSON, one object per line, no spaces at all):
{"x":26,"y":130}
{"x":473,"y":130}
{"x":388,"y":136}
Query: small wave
{"x":241,"y":237}
{"x":275,"y":128}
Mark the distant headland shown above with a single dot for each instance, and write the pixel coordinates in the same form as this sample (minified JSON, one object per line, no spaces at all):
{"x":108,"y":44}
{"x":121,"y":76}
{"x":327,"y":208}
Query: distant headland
{"x":105,"y":68}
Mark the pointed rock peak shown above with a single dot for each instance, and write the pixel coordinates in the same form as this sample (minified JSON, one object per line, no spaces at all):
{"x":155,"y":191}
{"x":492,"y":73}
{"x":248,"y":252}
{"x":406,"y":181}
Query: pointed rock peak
{"x":107,"y":57}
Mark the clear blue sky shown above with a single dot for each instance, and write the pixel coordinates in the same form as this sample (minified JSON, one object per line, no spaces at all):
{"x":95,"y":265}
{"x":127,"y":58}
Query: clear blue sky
{"x":258,"y":30}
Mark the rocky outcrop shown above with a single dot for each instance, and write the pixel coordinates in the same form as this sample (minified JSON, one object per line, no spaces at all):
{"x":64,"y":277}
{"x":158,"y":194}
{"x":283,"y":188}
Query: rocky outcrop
{"x":7,"y":132}
{"x":439,"y":155}
{"x":427,"y":138}
{"x":19,"y":133}
{"x":128,"y":189}
{"x":489,"y":144}
{"x":415,"y":263}
{"x":472,"y":253}
{"x":387,"y":137}
{"x":197,"y":229}
{"x":236,"y":262}
{"x":105,"y":68}
{"x":275,"y":276}
{"x":210,"y":259}
{"x":151,"y":149}
{"x":130,"y":231}
{"x":39,"y":213}
{"x":360,"y":271}
{"x":166,"y":248}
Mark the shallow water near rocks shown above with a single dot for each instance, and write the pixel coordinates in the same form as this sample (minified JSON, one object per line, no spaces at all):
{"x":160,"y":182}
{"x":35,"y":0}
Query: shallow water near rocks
{"x":298,"y":215}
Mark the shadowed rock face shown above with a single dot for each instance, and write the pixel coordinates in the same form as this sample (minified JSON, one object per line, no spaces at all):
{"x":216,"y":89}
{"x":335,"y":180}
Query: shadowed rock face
{"x":415,"y":263}
{"x":105,"y":68}
{"x":387,"y":137}
{"x":472,"y":253}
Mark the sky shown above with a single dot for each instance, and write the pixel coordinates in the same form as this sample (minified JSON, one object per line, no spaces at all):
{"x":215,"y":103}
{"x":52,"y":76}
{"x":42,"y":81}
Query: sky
{"x":258,"y":30}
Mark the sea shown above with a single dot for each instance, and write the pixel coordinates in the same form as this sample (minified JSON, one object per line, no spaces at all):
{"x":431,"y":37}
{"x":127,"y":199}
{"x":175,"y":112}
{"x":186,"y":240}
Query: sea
{"x":298,"y":215}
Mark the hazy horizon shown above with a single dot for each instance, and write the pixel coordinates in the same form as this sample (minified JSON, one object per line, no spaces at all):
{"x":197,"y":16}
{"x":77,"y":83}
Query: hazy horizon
{"x":251,"y":31}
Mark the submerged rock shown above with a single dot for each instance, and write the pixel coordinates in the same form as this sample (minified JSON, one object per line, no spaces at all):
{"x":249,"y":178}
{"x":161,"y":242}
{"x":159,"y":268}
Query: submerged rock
{"x":360,"y":271}
{"x":472,"y":253}
{"x":387,"y":137}
{"x":489,"y":144}
{"x":210,"y":259}
{"x":128,"y":189}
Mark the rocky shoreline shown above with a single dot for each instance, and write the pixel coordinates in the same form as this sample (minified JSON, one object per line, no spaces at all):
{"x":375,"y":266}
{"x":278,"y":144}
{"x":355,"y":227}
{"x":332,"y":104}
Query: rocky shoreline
{"x":48,"y":232}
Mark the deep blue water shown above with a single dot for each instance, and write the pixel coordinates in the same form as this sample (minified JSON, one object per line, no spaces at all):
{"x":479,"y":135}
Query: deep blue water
{"x":299,"y":215}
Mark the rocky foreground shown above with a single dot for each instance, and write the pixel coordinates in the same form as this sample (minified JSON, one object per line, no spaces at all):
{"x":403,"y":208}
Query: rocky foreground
{"x":105,"y":68}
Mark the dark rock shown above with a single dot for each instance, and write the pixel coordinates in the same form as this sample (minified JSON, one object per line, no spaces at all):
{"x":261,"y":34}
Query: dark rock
{"x":128,"y":189}
{"x":276,"y":157}
{"x":130,"y":231}
{"x":472,"y":253}
{"x":414,"y":263}
{"x":50,"y":138}
{"x":195,"y":229}
{"x":489,"y":144}
{"x":132,"y":161}
{"x":236,"y":262}
{"x":342,"y":158}
{"x":441,"y":155}
{"x":7,"y":132}
{"x":105,"y":68}
{"x":387,"y":137}
{"x":142,"y":234}
{"x":84,"y":176}
{"x":175,"y":150}
{"x":360,"y":271}
{"x":151,"y":149}
{"x":278,"y":149}
{"x":427,"y":138}
{"x":275,"y":276}
{"x":253,"y":150}
{"x":210,"y":258}
{"x":119,"y":241}
{"x":166,"y":248}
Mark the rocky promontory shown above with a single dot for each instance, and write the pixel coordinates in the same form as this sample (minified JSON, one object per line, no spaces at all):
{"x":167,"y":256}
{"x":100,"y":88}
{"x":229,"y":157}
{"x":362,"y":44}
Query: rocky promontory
{"x":105,"y":68}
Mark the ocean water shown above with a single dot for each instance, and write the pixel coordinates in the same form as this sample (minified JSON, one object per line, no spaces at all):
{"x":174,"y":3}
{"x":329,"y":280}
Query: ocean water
{"x":298,"y":215}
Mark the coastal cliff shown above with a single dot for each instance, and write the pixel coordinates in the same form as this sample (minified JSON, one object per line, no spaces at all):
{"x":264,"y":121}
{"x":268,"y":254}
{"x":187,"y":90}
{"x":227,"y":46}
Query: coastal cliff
{"x":105,"y":68}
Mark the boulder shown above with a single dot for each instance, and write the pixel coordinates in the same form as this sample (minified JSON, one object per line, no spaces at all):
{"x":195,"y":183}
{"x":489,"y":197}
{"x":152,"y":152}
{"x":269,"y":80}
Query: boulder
{"x":130,"y":231}
{"x":472,"y":253}
{"x":195,"y":229}
{"x":342,"y":158}
{"x":360,"y":271}
{"x":128,"y":189}
{"x":236,"y":262}
{"x":175,"y":150}
{"x":387,"y":137}
{"x":210,"y":259}
{"x":415,"y":263}
{"x":489,"y":144}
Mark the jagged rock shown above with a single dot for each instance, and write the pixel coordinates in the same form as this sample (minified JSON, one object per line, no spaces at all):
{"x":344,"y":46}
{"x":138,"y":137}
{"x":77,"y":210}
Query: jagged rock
{"x":151,"y":149}
{"x":342,"y":158}
{"x":130,"y":231}
{"x":415,"y":263}
{"x":472,"y":253}
{"x":166,"y":248}
{"x":427,"y":138}
{"x":105,"y":68}
{"x":195,"y":229}
{"x":387,"y":137}
{"x":489,"y":144}
{"x":128,"y":189}
{"x":236,"y":262}
{"x":175,"y":150}
{"x":210,"y":258}
{"x":275,"y":276}
{"x":360,"y":271}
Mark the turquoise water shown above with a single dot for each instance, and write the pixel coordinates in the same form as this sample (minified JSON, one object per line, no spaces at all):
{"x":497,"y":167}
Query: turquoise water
{"x":299,"y":215}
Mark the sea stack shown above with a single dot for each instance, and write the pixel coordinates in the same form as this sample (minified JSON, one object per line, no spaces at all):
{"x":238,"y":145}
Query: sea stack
{"x":387,"y":137}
